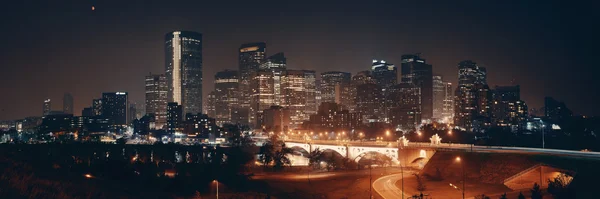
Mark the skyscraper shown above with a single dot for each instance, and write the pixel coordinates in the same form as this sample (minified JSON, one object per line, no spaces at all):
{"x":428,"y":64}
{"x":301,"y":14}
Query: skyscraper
{"x":156,"y":98}
{"x":507,"y":107}
{"x":114,"y":107}
{"x":369,"y":102}
{"x":555,"y":110}
{"x":183,"y":64}
{"x":335,"y":87}
{"x":471,"y":96}
{"x":68,"y":103}
{"x":385,"y":74}
{"x":251,"y":55}
{"x":277,"y":65}
{"x":403,"y":101}
{"x":97,"y":107}
{"x":47,"y":108}
{"x":448,"y":107}
{"x":210,"y":104}
{"x":226,"y":96}
{"x":439,"y":95}
{"x":415,"y":70}
{"x":262,"y":95}
{"x":362,"y":77}
{"x":300,"y":95}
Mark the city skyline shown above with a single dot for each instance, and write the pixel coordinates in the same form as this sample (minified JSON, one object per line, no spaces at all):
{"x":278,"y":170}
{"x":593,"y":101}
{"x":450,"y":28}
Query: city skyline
{"x":85,"y":86}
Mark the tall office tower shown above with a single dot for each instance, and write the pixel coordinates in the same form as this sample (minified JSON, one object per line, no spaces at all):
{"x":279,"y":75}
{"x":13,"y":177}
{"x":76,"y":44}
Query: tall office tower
{"x":471,"y":96}
{"x":415,"y":70}
{"x":251,"y":55}
{"x":385,"y":74}
{"x":448,"y":106}
{"x":362,"y":77}
{"x":132,"y":113}
{"x":183,"y":63}
{"x":67,"y":103}
{"x":439,"y":94}
{"x":507,"y":107}
{"x":114,"y":107}
{"x":226,"y":96}
{"x":97,"y":107}
{"x":87,"y":112}
{"x":261,"y":85}
{"x":210,"y":104}
{"x":156,"y":98}
{"x":277,"y":65}
{"x":555,"y":110}
{"x":335,"y":87}
{"x":174,"y":117}
{"x":300,"y":95}
{"x":47,"y":108}
{"x":369,"y":102}
{"x":403,"y":101}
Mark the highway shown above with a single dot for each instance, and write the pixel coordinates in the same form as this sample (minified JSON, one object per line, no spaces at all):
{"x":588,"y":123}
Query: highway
{"x":386,"y":186}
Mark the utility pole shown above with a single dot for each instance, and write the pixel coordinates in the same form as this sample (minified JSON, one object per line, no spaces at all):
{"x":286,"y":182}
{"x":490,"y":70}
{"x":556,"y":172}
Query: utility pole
{"x":370,"y":181}
{"x":402,"y":173}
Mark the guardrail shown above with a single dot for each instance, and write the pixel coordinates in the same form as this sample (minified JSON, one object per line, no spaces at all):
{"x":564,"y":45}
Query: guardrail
{"x":522,"y":172}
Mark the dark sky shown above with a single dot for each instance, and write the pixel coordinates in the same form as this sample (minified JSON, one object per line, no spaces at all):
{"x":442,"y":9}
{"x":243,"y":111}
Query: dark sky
{"x":52,"y":47}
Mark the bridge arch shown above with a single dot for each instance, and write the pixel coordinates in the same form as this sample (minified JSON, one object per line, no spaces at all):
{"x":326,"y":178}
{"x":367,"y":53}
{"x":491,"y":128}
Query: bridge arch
{"x":356,"y":153}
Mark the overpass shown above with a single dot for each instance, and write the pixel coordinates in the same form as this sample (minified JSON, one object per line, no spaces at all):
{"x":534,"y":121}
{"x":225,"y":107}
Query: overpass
{"x":417,"y":154}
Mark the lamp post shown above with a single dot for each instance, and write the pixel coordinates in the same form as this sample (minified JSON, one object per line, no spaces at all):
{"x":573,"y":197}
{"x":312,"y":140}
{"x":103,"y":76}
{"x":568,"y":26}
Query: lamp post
{"x":217,"y":182}
{"x":370,"y":181}
{"x":402,"y":178}
{"x":463,"y":175}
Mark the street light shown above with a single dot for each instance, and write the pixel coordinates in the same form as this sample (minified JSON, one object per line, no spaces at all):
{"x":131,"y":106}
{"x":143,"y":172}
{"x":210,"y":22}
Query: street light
{"x":217,"y":188}
{"x":463,"y":175}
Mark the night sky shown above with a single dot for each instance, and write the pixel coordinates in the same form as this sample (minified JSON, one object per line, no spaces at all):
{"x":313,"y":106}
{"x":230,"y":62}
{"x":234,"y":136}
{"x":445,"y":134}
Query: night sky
{"x":50,"y":48}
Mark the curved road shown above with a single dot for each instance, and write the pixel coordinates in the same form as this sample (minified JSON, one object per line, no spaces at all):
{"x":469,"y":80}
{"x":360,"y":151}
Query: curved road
{"x":386,"y":186}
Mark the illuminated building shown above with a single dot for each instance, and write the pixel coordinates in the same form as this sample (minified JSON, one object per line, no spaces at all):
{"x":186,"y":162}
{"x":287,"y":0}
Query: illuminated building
{"x":439,"y":95}
{"x":448,"y":106}
{"x":68,"y":103}
{"x":251,"y":55}
{"x":471,"y":96}
{"x":415,"y":70}
{"x":403,"y":102}
{"x":385,"y":74}
{"x":300,"y":95}
{"x":174,"y":117}
{"x":262,"y":97}
{"x":226,"y":96}
{"x":335,"y":87}
{"x":199,"y":125}
{"x":156,"y":99}
{"x":276,"y":118}
{"x":506,"y":105}
{"x":277,"y":65}
{"x":114,"y":107}
{"x":362,"y":77}
{"x":369,"y":102}
{"x":47,"y":108}
{"x":97,"y":107}
{"x":183,"y":64}
{"x":333,"y":117}
{"x":210,"y":104}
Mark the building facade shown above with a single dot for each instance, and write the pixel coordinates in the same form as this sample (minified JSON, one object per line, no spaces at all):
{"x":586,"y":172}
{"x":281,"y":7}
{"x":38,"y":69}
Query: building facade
{"x":156,"y":99}
{"x":47,"y":107}
{"x":439,"y":95}
{"x":115,"y":108}
{"x":183,"y":64}
{"x":448,"y":107}
{"x":471,"y":96}
{"x":226,"y":96}
{"x":403,"y":101}
{"x":174,"y":117}
{"x":335,"y":86}
{"x":300,"y":95}
{"x":250,"y":57}
{"x":415,"y":70}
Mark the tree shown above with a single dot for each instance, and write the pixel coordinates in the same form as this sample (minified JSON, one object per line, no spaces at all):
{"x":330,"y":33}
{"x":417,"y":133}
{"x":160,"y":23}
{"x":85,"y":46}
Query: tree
{"x":521,"y":196}
{"x":536,"y":192}
{"x":503,"y":196}
{"x":274,"y":151}
{"x":420,"y":184}
{"x":315,"y":157}
{"x":559,"y":186}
